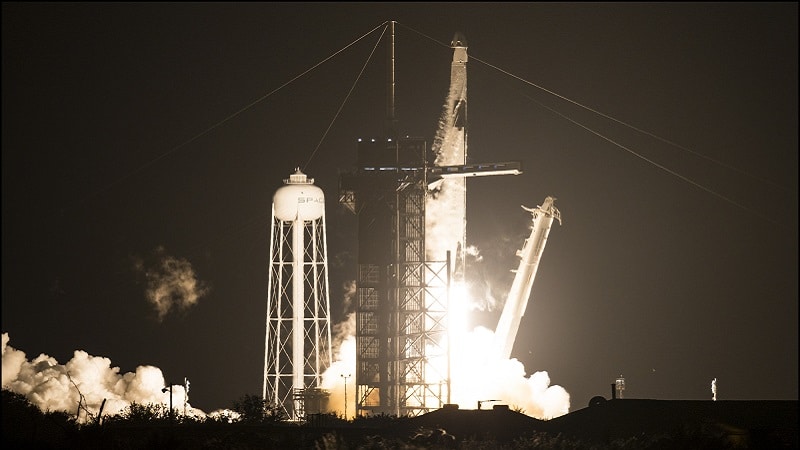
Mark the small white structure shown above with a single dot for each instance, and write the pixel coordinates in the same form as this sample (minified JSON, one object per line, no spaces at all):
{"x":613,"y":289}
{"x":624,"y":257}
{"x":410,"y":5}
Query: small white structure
{"x":298,"y":337}
{"x":714,"y":389}
{"x":620,"y":386}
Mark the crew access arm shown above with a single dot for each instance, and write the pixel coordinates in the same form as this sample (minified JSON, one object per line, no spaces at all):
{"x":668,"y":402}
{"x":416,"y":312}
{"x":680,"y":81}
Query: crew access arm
{"x":530,"y":254}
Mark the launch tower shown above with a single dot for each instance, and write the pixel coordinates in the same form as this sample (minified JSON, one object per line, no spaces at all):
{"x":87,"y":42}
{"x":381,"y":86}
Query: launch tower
{"x":402,"y":363}
{"x":401,"y":297}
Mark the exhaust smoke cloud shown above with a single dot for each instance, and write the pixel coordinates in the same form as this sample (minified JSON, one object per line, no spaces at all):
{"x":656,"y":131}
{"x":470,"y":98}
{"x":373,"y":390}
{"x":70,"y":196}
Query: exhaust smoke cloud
{"x":82,"y":384}
{"x":171,"y":283}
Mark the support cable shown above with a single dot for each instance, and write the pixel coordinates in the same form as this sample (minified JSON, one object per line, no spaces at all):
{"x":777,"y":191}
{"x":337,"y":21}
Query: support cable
{"x":644,"y":158}
{"x":228,"y":118}
{"x":625,"y":124}
{"x":366,"y":63}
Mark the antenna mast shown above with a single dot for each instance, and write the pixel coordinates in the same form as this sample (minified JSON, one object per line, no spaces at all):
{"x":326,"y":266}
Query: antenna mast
{"x":391,"y":120}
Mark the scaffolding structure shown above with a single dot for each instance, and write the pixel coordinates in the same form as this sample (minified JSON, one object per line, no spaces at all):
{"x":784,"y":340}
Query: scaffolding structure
{"x":401,"y":310}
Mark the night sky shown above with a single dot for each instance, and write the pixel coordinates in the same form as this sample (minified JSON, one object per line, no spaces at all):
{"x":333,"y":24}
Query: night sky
{"x":136,"y":132}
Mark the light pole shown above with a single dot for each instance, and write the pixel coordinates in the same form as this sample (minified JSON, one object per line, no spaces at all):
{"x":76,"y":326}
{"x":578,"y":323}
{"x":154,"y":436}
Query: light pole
{"x":165,"y":389}
{"x":345,"y":393}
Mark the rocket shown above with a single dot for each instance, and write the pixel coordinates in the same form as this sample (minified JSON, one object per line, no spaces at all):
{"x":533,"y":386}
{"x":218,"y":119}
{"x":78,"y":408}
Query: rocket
{"x":530,"y":255}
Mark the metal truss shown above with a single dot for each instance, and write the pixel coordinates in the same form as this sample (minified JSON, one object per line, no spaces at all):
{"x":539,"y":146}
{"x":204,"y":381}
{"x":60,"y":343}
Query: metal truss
{"x":282,"y":374}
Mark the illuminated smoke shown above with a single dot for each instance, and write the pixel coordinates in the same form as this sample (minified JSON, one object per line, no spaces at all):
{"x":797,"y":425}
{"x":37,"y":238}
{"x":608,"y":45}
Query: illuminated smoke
{"x":445,"y":216}
{"x":478,"y":376}
{"x":343,"y":368}
{"x":474,"y":253}
{"x":171,"y":284}
{"x":82,"y":384}
{"x":349,"y":293}
{"x":479,"y":288}
{"x":346,"y":329}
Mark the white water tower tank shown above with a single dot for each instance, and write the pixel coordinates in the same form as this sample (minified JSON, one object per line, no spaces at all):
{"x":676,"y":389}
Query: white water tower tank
{"x":299,"y":199}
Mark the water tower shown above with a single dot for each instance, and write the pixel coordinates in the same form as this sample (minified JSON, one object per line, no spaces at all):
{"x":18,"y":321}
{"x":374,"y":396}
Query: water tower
{"x":298,"y":336}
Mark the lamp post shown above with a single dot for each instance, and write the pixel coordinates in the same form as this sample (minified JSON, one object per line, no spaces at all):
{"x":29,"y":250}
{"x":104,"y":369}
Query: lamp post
{"x":165,"y":389}
{"x":345,"y":393}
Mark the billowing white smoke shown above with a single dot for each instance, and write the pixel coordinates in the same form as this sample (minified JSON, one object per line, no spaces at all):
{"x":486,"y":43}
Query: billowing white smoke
{"x":82,"y":384}
{"x":474,"y":252}
{"x":445,"y":216}
{"x":478,"y":288}
{"x":85,"y":382}
{"x":343,"y":369}
{"x":475,"y":377}
{"x":171,"y":283}
{"x":478,"y":376}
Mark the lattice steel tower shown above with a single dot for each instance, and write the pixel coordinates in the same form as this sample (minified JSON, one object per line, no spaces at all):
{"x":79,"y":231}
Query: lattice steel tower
{"x":403,"y":282}
{"x":298,"y":336}
{"x":401,"y":310}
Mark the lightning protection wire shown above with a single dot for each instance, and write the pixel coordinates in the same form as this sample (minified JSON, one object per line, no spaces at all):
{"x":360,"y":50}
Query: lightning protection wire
{"x":226,"y":119}
{"x":639,"y":130}
{"x":350,"y":92}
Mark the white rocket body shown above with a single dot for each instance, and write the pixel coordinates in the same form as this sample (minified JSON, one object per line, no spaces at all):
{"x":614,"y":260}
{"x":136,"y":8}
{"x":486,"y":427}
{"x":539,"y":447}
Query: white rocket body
{"x":518,"y":295}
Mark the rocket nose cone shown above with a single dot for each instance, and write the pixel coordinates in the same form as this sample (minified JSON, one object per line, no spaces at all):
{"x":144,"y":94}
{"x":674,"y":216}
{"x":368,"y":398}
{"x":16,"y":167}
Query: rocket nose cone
{"x":459,"y":40}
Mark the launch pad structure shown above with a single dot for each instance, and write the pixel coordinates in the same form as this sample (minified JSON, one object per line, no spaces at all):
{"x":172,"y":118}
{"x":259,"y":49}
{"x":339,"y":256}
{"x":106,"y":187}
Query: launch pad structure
{"x":402,"y":287}
{"x":401,"y":306}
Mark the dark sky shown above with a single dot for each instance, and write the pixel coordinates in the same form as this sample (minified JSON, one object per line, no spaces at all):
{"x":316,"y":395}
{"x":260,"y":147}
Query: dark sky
{"x":675,"y":264}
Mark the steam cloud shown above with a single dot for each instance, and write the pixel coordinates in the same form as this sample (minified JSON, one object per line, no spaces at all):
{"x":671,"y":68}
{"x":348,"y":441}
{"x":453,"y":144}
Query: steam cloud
{"x":476,"y":375}
{"x":446,"y":208}
{"x":171,"y":284}
{"x":85,"y":382}
{"x":82,"y":384}
{"x":343,"y":369}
